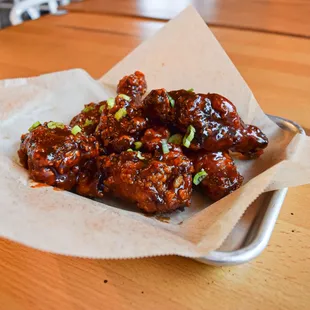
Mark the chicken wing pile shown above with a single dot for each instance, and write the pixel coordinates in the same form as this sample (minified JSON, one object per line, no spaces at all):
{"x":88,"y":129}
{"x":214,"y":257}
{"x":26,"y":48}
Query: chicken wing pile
{"x":149,"y":151}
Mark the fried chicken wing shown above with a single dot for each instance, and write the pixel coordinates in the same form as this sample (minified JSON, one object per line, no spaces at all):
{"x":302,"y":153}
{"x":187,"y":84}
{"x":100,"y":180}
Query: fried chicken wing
{"x":132,"y":85}
{"x":214,"y":118}
{"x":219,"y":175}
{"x":121,"y":123}
{"x":53,"y":155}
{"x":88,"y":118}
{"x":157,"y":184}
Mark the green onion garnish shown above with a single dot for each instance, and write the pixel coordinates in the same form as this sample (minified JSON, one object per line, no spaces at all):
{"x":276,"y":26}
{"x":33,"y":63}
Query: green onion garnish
{"x":140,"y":156}
{"x":191,"y":90}
{"x":53,"y":125}
{"x":88,"y":122}
{"x":34,"y":126}
{"x":175,"y":139}
{"x":138,"y":145}
{"x":189,"y":136}
{"x":120,"y":113}
{"x":127,"y":98}
{"x":101,"y":108}
{"x":111,"y":102}
{"x":76,"y":129}
{"x":165,"y":146}
{"x":87,"y":109}
{"x":199,"y":177}
{"x":171,"y":100}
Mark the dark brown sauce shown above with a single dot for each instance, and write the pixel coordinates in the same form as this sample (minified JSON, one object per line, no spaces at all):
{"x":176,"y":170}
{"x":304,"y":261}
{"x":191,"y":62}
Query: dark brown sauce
{"x":161,"y":218}
{"x":164,"y":219}
{"x":148,"y":215}
{"x":37,"y":185}
{"x":57,"y":189}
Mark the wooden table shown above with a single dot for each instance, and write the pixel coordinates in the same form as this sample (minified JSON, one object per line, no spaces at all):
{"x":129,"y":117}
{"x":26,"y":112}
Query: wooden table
{"x":289,"y":17}
{"x":277,"y":68}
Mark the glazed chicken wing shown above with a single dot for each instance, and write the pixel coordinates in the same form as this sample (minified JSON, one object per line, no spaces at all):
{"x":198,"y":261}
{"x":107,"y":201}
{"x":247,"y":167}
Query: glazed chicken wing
{"x":53,"y":154}
{"x":213,"y":118}
{"x":157,"y":184}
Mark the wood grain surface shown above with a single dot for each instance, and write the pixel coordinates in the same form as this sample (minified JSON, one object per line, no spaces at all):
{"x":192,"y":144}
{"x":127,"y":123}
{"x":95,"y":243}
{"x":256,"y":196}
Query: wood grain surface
{"x":277,"y":69}
{"x":284,"y":16}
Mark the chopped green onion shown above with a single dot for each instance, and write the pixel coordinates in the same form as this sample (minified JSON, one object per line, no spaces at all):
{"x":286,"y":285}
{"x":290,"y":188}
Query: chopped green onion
{"x":140,"y":156}
{"x":175,"y":139}
{"x":127,"y":98}
{"x":34,"y":126}
{"x":76,"y":129}
{"x":101,"y":108}
{"x":120,"y":113}
{"x":53,"y":125}
{"x":138,"y":145}
{"x":191,"y":90}
{"x":199,"y":177}
{"x":87,"y":109}
{"x":111,"y":102}
{"x":88,"y":122}
{"x":165,"y":146}
{"x":171,"y":100}
{"x":189,"y":136}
